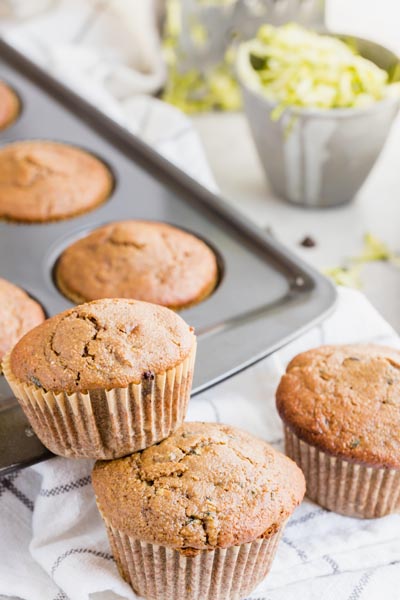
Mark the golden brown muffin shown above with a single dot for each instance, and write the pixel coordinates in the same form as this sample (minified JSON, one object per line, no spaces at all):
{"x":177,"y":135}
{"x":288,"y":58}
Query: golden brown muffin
{"x":44,"y":181}
{"x":18,"y":314}
{"x":9,"y":106}
{"x":206,"y":494}
{"x":144,"y":260}
{"x":104,"y":379}
{"x":340,"y":406}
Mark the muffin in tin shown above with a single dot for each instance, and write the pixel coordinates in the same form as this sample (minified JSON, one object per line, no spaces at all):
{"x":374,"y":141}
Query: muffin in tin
{"x":144,"y":260}
{"x":104,"y":379}
{"x":18,"y":314}
{"x":43,"y":181}
{"x":10,"y":106}
{"x":198,"y":516}
{"x":340,"y":409}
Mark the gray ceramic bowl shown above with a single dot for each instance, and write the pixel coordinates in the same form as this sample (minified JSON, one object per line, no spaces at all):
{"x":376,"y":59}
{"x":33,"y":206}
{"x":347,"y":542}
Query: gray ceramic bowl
{"x":315,"y":157}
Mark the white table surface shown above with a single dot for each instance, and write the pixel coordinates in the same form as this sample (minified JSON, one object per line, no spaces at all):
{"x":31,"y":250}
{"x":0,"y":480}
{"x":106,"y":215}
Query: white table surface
{"x":338,"y":232}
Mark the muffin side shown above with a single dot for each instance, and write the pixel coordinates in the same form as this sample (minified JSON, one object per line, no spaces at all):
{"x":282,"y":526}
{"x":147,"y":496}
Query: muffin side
{"x":42,"y":181}
{"x":145,"y":260}
{"x":339,"y":406}
{"x":207,"y":506}
{"x":18,"y":314}
{"x":104,"y":379}
{"x":10,"y":106}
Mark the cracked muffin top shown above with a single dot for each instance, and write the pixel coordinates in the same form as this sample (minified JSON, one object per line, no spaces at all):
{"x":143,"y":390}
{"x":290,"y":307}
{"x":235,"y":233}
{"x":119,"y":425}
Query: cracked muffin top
{"x":18,"y":314}
{"x":102,"y":345}
{"x":9,"y":105}
{"x":206,"y":486}
{"x":144,"y":260}
{"x":44,"y":181}
{"x":345,"y":400}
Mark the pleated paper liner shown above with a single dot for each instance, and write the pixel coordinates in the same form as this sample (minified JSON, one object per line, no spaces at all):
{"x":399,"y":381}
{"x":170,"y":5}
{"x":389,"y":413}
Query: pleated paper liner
{"x":106,"y":424}
{"x":345,"y":487}
{"x":160,"y":573}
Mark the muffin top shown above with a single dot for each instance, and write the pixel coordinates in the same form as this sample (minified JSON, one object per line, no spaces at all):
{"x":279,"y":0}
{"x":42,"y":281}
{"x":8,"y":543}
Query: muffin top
{"x":345,"y":400}
{"x":206,"y":486}
{"x":44,"y":181}
{"x":9,"y":105}
{"x":144,"y":260}
{"x":102,"y":345}
{"x":18,"y":314}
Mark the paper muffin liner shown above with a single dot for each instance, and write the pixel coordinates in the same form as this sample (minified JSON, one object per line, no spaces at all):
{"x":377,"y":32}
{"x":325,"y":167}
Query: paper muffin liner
{"x":342,"y":486}
{"x":161,"y":573}
{"x":106,"y":424}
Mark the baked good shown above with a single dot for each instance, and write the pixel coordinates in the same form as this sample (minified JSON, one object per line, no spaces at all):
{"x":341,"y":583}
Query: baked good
{"x":104,"y":379}
{"x":340,"y":409}
{"x":18,"y":314}
{"x":145,"y":260}
{"x":44,"y":181}
{"x":202,"y":512}
{"x":9,"y":106}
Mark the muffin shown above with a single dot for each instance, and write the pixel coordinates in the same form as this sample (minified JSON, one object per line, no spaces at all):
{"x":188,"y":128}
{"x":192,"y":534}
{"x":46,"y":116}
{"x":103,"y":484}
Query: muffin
{"x":44,"y":181}
{"x":148,"y":261}
{"x":9,"y":106}
{"x":199,"y":516}
{"x":18,"y":314}
{"x":340,"y":409}
{"x":104,"y":379}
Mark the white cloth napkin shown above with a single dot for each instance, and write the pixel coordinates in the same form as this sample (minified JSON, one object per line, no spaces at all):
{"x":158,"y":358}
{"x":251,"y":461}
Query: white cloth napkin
{"x":53,"y":545}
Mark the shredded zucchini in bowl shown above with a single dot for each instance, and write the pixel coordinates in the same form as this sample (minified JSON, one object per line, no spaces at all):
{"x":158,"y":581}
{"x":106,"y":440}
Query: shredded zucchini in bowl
{"x":293,"y":66}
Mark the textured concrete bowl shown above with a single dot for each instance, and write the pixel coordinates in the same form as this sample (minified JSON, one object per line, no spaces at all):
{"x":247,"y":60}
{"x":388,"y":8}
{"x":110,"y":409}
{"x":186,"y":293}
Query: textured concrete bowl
{"x":314,"y":157}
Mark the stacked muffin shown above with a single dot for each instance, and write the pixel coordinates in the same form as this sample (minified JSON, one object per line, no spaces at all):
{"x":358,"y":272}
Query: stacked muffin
{"x":198,"y":516}
{"x":204,"y":504}
{"x":105,"y":378}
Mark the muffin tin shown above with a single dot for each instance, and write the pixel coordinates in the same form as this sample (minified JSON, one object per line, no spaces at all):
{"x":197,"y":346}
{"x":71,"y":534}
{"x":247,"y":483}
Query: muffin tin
{"x":266,"y":296}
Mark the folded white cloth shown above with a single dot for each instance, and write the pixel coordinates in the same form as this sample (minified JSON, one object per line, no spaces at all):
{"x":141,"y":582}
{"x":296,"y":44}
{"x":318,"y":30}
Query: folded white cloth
{"x":53,"y":545}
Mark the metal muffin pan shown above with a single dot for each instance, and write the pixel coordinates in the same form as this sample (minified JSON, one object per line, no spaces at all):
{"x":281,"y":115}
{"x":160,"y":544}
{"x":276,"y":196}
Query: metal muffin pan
{"x":266,"y":295}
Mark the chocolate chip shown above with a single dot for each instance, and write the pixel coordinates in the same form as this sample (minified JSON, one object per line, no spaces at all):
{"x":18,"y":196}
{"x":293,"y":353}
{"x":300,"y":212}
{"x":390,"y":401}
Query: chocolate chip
{"x":36,"y":381}
{"x":148,"y":375}
{"x":308,"y":242}
{"x":354,"y":443}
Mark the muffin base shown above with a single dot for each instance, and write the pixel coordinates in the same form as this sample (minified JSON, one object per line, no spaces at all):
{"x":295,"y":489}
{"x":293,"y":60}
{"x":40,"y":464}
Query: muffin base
{"x":106,"y":424}
{"x":342,"y":486}
{"x":157,"y":573}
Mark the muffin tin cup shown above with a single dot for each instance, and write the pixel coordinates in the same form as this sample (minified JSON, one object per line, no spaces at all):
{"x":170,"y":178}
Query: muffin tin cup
{"x":157,"y":572}
{"x":106,"y":424}
{"x":342,"y":486}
